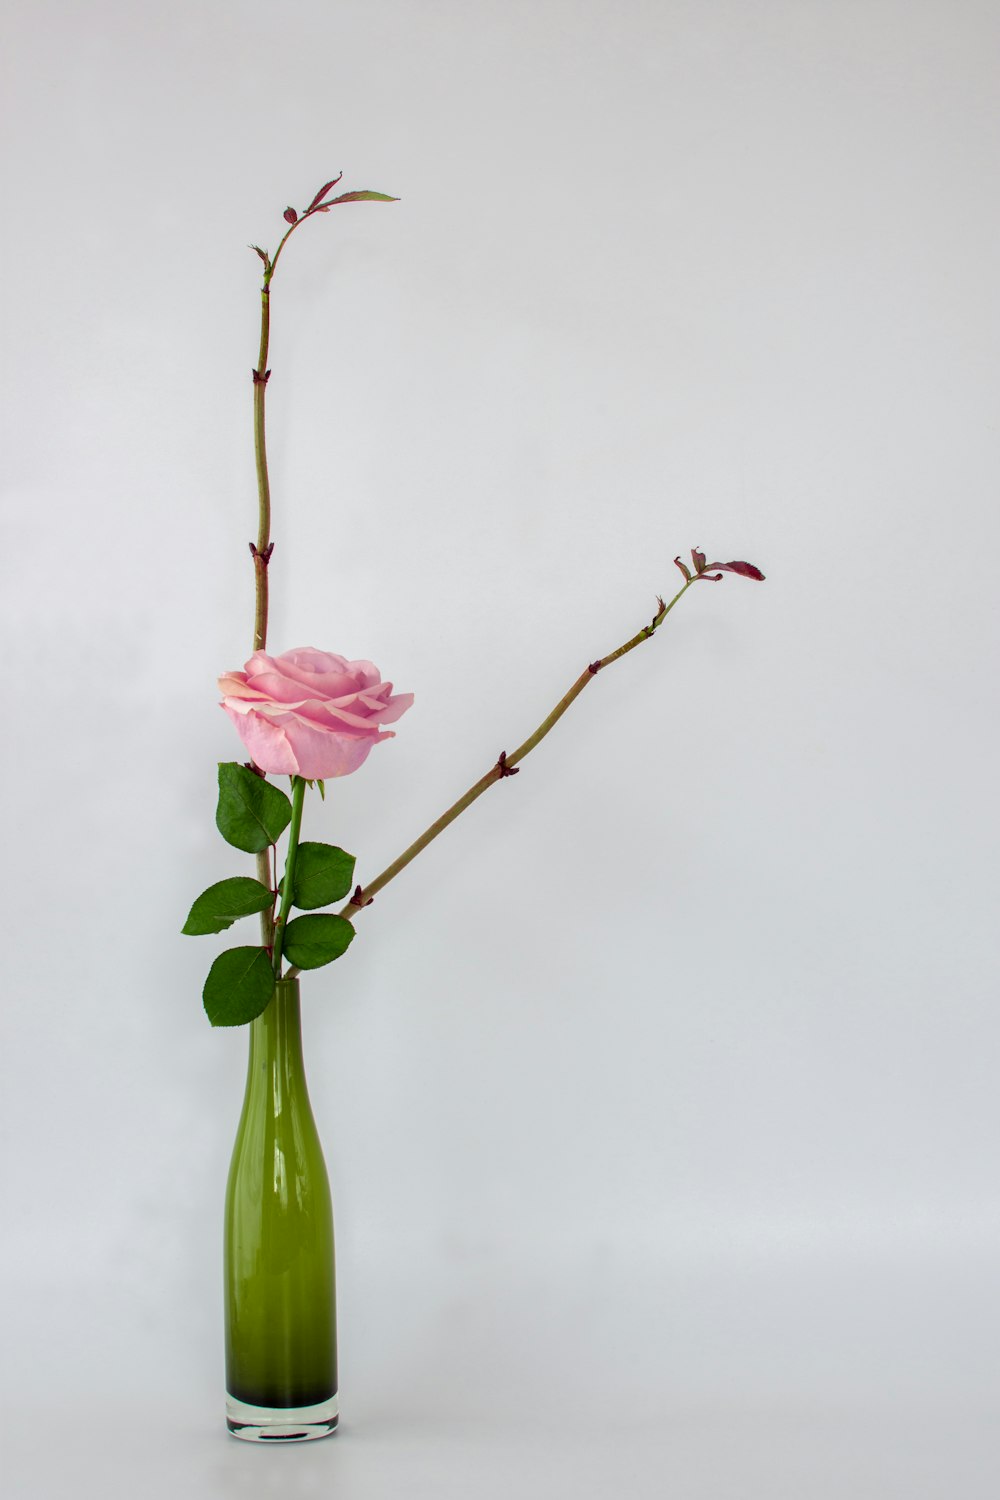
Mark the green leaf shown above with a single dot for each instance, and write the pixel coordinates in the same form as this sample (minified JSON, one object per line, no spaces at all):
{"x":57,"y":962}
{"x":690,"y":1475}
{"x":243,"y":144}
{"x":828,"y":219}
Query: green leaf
{"x":221,"y":905}
{"x":311,"y":942}
{"x":365,"y":196}
{"x":323,"y":874}
{"x":251,"y":813}
{"x":239,"y":985}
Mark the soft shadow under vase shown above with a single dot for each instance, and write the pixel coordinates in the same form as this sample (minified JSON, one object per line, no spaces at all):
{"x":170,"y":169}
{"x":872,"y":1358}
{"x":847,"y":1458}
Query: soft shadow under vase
{"x":281,"y":1331}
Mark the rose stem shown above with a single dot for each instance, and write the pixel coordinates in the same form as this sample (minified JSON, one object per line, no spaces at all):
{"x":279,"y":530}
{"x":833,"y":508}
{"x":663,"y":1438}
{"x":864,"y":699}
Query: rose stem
{"x":298,"y":795}
{"x":506,"y":763}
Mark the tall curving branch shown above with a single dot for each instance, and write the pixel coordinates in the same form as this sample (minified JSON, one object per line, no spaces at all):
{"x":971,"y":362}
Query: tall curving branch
{"x":262,"y":548}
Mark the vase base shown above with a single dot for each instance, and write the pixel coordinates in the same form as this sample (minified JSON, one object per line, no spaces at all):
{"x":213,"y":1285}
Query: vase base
{"x":289,"y":1424}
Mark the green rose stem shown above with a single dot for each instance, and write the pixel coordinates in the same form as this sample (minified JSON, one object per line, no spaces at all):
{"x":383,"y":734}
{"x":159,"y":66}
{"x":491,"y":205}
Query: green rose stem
{"x":506,"y":764}
{"x":287,"y":887}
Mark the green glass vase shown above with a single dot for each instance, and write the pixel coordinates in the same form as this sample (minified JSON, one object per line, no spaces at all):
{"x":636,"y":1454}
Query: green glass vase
{"x":281,"y":1332}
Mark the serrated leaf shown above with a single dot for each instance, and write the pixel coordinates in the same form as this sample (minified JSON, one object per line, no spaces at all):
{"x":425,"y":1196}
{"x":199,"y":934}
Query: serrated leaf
{"x":323,"y":873}
{"x":239,"y":985}
{"x":324,"y":190}
{"x":744,"y":569}
{"x":251,"y":813}
{"x":362,"y":197}
{"x":223,"y":904}
{"x":311,"y":942}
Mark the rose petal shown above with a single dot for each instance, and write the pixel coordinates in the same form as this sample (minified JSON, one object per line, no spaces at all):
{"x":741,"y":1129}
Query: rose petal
{"x":322,"y":755}
{"x":284,"y":689}
{"x":266,"y":741}
{"x":310,"y":713}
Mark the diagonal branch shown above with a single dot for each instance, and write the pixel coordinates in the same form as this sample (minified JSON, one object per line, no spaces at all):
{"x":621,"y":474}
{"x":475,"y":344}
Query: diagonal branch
{"x":507,"y":764}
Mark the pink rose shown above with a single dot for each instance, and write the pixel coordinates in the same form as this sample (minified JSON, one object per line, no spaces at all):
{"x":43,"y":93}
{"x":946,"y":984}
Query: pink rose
{"x":310,"y":713}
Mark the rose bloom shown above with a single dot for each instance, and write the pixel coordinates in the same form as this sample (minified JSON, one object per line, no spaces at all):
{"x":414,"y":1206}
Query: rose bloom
{"x":310,"y":713}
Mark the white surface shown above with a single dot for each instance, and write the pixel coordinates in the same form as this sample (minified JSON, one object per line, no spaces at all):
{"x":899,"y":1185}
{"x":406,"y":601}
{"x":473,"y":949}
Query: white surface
{"x":660,"y":1095}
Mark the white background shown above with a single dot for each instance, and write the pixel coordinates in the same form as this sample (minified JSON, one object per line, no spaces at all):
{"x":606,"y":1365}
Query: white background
{"x":660,"y":1096}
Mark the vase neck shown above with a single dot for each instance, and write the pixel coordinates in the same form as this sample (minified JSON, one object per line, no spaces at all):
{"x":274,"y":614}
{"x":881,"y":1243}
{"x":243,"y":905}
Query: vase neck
{"x":276,"y":1036}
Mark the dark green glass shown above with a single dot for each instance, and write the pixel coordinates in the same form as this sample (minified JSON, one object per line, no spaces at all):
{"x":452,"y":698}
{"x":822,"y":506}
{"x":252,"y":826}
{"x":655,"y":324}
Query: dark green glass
{"x":281,"y":1333}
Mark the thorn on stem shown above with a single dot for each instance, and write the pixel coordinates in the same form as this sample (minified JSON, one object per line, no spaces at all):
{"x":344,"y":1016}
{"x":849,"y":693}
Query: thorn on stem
{"x":504,"y":768}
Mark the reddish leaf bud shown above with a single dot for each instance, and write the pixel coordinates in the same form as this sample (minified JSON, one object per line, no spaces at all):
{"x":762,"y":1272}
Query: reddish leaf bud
{"x":290,"y":216}
{"x":684,"y":568}
{"x":698,"y":558}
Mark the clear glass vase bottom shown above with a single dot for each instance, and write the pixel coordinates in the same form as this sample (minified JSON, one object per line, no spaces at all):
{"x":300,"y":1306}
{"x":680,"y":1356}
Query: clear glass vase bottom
{"x":289,"y":1424}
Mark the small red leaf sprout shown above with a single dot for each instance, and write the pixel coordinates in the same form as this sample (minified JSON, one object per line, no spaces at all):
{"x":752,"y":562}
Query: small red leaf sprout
{"x":318,"y":206}
{"x":293,"y":217}
{"x":744,"y":569}
{"x":323,"y":192}
{"x":712,"y":572}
